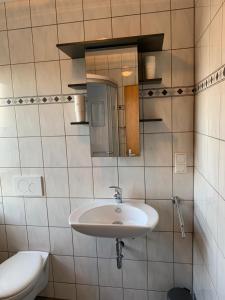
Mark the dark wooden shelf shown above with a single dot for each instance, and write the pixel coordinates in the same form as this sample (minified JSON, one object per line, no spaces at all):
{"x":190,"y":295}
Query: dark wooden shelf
{"x":79,"y":123}
{"x":150,"y":120}
{"x":145,"y":43}
{"x":141,"y":120}
{"x":78,"y":86}
{"x":151,"y":81}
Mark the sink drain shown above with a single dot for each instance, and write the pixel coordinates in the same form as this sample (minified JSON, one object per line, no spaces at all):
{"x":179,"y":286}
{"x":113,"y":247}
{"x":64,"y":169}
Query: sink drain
{"x":117,"y":222}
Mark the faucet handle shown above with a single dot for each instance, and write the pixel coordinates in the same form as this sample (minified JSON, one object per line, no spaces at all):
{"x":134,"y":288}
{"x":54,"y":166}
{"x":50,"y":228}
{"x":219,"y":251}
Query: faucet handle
{"x":117,"y":188}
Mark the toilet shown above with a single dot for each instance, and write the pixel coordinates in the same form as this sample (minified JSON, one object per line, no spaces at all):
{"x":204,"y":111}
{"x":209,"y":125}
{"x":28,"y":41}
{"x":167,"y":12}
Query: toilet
{"x":24,"y":275}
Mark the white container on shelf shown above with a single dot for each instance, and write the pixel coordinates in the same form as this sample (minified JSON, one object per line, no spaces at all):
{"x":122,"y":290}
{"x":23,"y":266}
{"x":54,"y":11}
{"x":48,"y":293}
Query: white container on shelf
{"x":150,"y":67}
{"x":79,"y":107}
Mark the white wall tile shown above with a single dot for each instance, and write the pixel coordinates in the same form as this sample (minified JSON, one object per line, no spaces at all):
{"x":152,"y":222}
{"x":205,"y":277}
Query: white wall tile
{"x":27,"y":118}
{"x":78,"y":151}
{"x":70,"y":32}
{"x":157,"y":23}
{"x":130,"y":294}
{"x":160,"y":246}
{"x":183,"y":275}
{"x":56,"y":182}
{"x":182,"y":67}
{"x":38,"y":238}
{"x":43,"y":12}
{"x":154,"y":109}
{"x":158,"y":182}
{"x":160,"y":276}
{"x":7,"y":184}
{"x":6,"y":82}
{"x":86,"y":270}
{"x":103,"y":179}
{"x":18,"y":16}
{"x":4,"y":49}
{"x":156,"y":295}
{"x":135,"y":274}
{"x":165,"y":210}
{"x":106,"y":248}
{"x":109,"y":274}
{"x":59,"y":237}
{"x":183,"y":248}
{"x":20,"y":45}
{"x":14,"y":211}
{"x":183,"y":185}
{"x":158,"y":149}
{"x":2,"y":17}
{"x":9,"y":153}
{"x":182,"y":28}
{"x":7,"y":122}
{"x":58,"y":212}
{"x":85,"y":292}
{"x":182,"y":113}
{"x":23,"y":76}
{"x":176,"y":4}
{"x":154,"y":5}
{"x":125,"y":8}
{"x":54,"y":151}
{"x":69,"y":11}
{"x":108,"y":293}
{"x":84,"y":245}
{"x":17,"y":238}
{"x":126,"y":26}
{"x":97,"y":29}
{"x":135,"y":249}
{"x":63,"y":268}
{"x":46,"y":35}
{"x":44,"y":71}
{"x":76,"y":179}
{"x":65,"y":291}
{"x":36,"y":211}
{"x":96,"y":9}
{"x":30,"y":152}
{"x":131,"y":180}
{"x":51,"y":118}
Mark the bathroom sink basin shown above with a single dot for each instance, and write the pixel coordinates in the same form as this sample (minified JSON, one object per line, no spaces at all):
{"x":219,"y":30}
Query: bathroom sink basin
{"x":109,"y":219}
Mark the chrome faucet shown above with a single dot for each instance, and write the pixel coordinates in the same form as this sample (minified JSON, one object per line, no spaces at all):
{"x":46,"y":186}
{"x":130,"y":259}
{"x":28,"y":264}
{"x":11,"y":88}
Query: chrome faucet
{"x":118,"y":193}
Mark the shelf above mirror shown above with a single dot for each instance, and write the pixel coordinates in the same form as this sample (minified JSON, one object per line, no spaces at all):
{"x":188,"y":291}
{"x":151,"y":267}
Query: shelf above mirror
{"x":145,"y":43}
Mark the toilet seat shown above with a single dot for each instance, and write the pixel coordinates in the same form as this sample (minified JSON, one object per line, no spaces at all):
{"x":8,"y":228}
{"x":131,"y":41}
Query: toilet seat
{"x":19,"y":273}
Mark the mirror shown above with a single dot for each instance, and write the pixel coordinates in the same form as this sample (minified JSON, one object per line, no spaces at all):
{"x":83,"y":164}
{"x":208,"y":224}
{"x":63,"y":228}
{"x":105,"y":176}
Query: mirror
{"x":113,"y":101}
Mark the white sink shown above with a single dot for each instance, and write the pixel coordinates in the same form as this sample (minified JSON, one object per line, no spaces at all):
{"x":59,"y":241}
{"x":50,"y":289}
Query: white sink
{"x":108,"y":219}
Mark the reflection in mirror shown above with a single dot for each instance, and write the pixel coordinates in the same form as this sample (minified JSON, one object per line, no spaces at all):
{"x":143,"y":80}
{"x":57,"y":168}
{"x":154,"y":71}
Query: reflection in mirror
{"x":113,"y":101}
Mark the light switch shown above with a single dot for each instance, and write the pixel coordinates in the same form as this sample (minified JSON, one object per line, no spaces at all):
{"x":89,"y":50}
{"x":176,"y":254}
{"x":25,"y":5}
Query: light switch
{"x":180,"y":169}
{"x":180,"y":163}
{"x":180,"y":158}
{"x":28,"y":186}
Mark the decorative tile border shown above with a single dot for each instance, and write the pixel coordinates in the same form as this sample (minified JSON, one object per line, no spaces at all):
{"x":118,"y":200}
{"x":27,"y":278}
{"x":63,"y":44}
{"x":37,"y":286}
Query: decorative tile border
{"x":213,"y":78}
{"x":144,"y":93}
{"x":36,"y":100}
{"x":167,"y":92}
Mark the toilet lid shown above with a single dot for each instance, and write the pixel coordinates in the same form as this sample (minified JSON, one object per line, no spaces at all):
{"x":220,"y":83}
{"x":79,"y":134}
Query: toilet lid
{"x":18,"y":272}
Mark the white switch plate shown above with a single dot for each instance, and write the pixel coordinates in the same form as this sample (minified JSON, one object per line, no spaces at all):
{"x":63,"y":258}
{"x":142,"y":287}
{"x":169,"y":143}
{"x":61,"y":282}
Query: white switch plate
{"x":28,"y":186}
{"x":180,"y":163}
{"x":180,"y":158}
{"x":180,"y":169}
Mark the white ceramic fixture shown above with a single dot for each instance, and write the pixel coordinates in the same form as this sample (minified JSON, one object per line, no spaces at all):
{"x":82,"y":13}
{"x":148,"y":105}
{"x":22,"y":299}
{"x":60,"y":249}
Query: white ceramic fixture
{"x":114,"y":220}
{"x":24,"y":275}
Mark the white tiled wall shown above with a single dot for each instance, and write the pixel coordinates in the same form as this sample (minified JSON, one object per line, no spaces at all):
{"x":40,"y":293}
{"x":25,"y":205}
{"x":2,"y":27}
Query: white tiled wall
{"x":209,"y":251}
{"x":39,"y":140}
